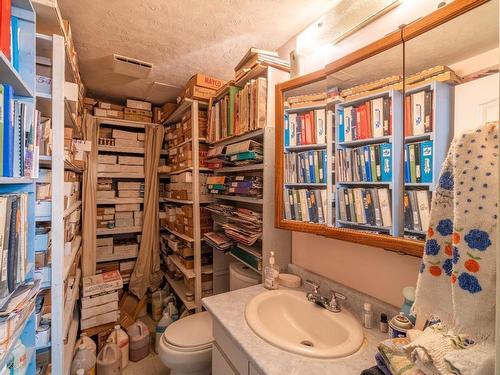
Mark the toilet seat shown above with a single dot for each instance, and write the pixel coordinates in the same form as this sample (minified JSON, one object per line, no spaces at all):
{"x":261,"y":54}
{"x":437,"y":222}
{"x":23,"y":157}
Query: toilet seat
{"x":190,"y":334}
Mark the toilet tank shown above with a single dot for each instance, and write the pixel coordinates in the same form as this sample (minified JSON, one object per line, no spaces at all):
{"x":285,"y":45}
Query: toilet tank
{"x":242,"y":276}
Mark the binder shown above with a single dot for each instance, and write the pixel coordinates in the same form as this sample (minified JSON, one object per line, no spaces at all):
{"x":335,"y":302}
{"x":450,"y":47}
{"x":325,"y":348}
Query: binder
{"x":286,"y":202}
{"x":348,"y":123}
{"x":428,"y":112}
{"x":376,"y":205}
{"x":293,"y":208}
{"x":2,"y":130}
{"x":311,"y":167}
{"x":317,"y":173}
{"x":341,"y":130}
{"x":287,"y":130}
{"x":368,"y":205}
{"x":319,"y":206}
{"x":408,"y":116}
{"x":5,"y":18}
{"x":411,"y":157}
{"x":320,"y":124}
{"x":368,"y":167}
{"x":8,"y":135}
{"x":386,"y":162}
{"x":417,"y":162}
{"x":387,"y":117}
{"x":292,"y":125}
{"x":325,"y":166}
{"x":426,"y":155}
{"x":373,"y":164}
{"x":418,"y":104}
{"x":414,"y":210}
{"x":385,"y":207}
{"x":423,"y":202}
{"x":407,"y":164}
{"x":378,"y":169}
{"x":408,"y":216}
{"x":377,"y":116}
{"x":310,"y":203}
{"x":304,"y":205}
{"x":15,"y":42}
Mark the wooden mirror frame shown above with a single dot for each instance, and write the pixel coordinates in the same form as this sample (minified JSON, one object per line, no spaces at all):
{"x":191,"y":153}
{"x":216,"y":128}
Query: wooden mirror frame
{"x":398,"y":37}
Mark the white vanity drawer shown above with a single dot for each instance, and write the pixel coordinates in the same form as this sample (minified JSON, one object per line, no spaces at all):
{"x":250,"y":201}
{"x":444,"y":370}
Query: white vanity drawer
{"x":238,"y":358}
{"x":220,"y":364}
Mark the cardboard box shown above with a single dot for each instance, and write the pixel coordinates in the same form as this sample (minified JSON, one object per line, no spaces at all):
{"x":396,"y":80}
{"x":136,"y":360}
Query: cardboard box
{"x":106,"y":159}
{"x":104,"y":241}
{"x":124,"y":222}
{"x":130,"y":160}
{"x":99,"y":309}
{"x":104,"y":251}
{"x":105,"y":217}
{"x":117,"y":168}
{"x":123,"y":134}
{"x":105,"y":105}
{"x":130,"y":194}
{"x":126,"y":249}
{"x":109,"y":317}
{"x":137,"y":218}
{"x":68,"y":133}
{"x":127,"y":207}
{"x":105,"y":194}
{"x":130,"y":185}
{"x":206,"y":81}
{"x":139,"y":112}
{"x":199,"y":93}
{"x":141,"y":136}
{"x":138,"y":118}
{"x":100,"y":299}
{"x":105,"y":132}
{"x":139,"y":104}
{"x":108,"y":113}
{"x":119,"y":142}
{"x":104,"y":282}
{"x":105,"y":210}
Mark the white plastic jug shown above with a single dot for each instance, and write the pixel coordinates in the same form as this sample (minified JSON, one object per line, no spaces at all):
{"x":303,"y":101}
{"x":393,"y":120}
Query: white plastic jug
{"x":157,"y":300}
{"x":120,"y":338}
{"x":84,"y":359}
{"x":109,"y":360}
{"x":88,"y":342}
{"x":170,"y":315}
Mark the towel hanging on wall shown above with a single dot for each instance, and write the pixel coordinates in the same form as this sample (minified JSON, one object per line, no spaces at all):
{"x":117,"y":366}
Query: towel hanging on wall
{"x":457,"y":275}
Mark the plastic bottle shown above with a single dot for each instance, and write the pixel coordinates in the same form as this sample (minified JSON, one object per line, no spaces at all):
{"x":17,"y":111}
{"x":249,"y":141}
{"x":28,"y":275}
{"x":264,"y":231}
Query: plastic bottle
{"x":88,"y":342}
{"x":80,"y":371}
{"x":409,"y":299}
{"x":109,"y":360}
{"x":157,"y":300}
{"x":84,"y":359}
{"x":170,"y":315}
{"x":120,"y":338}
{"x":367,"y":315}
{"x":271,"y":274}
{"x":384,"y":324}
{"x":19,"y":358}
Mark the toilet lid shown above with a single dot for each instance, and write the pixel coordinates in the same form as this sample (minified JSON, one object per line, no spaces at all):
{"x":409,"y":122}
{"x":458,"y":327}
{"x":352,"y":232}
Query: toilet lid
{"x":192,"y":331}
{"x":244,"y":273}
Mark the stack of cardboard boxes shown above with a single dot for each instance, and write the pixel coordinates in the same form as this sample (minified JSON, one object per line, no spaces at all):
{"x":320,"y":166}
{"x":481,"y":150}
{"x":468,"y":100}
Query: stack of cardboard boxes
{"x":181,"y":187}
{"x":201,"y":87}
{"x":110,"y":249}
{"x":180,"y":219}
{"x":137,"y":110}
{"x":100,"y":299}
{"x":134,"y":110}
{"x":120,"y":138}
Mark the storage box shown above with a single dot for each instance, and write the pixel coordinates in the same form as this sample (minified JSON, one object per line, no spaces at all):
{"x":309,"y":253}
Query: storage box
{"x":126,"y":249}
{"x":108,"y":113}
{"x":104,"y":251}
{"x":137,"y":218}
{"x":99,"y":299}
{"x":119,"y":142}
{"x":124,"y":219}
{"x":104,"y":282}
{"x":105,"y":210}
{"x":130,"y":160}
{"x":105,"y":105}
{"x":204,"y":80}
{"x":105,"y":132}
{"x":199,"y":93}
{"x":106,"y":159}
{"x":104,"y":241}
{"x":105,"y":194}
{"x":116,"y":168}
{"x":141,"y":136}
{"x":43,"y":210}
{"x":123,"y":134}
{"x":99,"y":309}
{"x":127,"y":207}
{"x":138,"y":118}
{"x":139,"y":104}
{"x":124,"y":185}
{"x":98,"y":320}
{"x":130,"y":194}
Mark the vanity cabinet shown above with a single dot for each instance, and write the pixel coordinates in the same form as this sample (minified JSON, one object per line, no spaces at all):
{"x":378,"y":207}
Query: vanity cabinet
{"x":227,"y":358}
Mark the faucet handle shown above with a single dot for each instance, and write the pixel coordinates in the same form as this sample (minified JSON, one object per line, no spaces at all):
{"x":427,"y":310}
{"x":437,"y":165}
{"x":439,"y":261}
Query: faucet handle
{"x":333,"y":304}
{"x":334,"y":294}
{"x":314,"y":285}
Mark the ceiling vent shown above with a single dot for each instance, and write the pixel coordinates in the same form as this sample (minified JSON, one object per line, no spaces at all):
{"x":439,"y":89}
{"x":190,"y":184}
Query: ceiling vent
{"x":130,"y":67}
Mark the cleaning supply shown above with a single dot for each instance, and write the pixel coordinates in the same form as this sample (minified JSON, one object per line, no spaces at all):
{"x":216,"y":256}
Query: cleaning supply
{"x":409,"y":299}
{"x":84,"y":359}
{"x":170,"y":315}
{"x":19,"y":364}
{"x":88,"y":342}
{"x":384,"y":325}
{"x":138,"y":334}
{"x":120,"y":338}
{"x":458,"y":270}
{"x":399,"y":326}
{"x":109,"y":360}
{"x":367,"y":315}
{"x":271,"y":274}
{"x":157,"y":300}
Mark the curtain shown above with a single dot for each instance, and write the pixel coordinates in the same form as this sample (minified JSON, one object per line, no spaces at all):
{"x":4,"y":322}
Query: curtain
{"x":147,"y":265}
{"x":89,"y":225}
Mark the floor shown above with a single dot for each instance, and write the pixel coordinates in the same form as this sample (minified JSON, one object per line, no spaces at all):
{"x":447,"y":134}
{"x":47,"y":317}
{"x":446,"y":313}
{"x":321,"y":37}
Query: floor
{"x":151,"y":365}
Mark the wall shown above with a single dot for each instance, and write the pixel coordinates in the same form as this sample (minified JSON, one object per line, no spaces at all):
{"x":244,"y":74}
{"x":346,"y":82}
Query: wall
{"x":371,"y":270}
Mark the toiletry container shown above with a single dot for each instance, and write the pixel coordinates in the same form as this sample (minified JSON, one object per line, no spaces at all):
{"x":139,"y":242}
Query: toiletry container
{"x":241,"y":276}
{"x":409,"y":299}
{"x":19,"y":364}
{"x":271,"y":273}
{"x":120,"y":338}
{"x":138,"y":335}
{"x":367,"y":315}
{"x":109,"y":360}
{"x":170,"y":314}
{"x":157,"y":301}
{"x":83,"y":359}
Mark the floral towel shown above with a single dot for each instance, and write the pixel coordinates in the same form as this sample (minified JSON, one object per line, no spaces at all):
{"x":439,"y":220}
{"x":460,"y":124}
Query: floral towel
{"x":457,"y":275}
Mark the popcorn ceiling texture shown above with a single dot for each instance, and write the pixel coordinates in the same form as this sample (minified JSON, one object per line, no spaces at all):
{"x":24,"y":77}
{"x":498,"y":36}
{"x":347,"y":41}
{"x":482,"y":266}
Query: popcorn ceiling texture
{"x":179,"y":37}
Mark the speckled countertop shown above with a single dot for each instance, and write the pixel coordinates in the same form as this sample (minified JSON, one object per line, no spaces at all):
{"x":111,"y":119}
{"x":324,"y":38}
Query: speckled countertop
{"x":229,"y":310}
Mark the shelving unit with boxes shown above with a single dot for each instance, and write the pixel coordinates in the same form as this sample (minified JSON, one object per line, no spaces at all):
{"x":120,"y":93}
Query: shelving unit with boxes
{"x":59,"y":199}
{"x":18,"y":188}
{"x":242,"y":140}
{"x":183,"y":194}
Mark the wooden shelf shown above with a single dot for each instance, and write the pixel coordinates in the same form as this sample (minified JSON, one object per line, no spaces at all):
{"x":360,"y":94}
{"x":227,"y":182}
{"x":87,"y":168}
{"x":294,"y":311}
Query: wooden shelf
{"x":259,"y":70}
{"x":180,"y":235}
{"x":120,"y":175}
{"x":182,"y":107}
{"x":115,"y":258}
{"x":124,"y":123}
{"x":69,"y":259}
{"x":189,"y":273}
{"x":119,"y":230}
{"x":189,"y":169}
{"x":16,"y":180}
{"x":171,"y":200}
{"x":12,"y":77}
{"x":306,"y":147}
{"x":72,"y":208}
{"x":242,"y":168}
{"x":362,"y":183}
{"x":180,"y":289}
{"x":305,"y":184}
{"x":237,"y":198}
{"x":121,"y":150}
{"x":120,"y":201}
{"x":254,"y":134}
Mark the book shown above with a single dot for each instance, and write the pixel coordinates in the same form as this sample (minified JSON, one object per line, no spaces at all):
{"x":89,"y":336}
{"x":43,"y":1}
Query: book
{"x":408,"y":116}
{"x":292,"y":119}
{"x":377,"y":107}
{"x":426,"y":155}
{"x":286,"y":130}
{"x":5,"y":27}
{"x":385,"y":162}
{"x":320,"y":126}
{"x":341,"y":130}
{"x":8,"y":136}
{"x":348,"y":122}
{"x":387,"y":117}
{"x":428,"y":112}
{"x":418,"y":104}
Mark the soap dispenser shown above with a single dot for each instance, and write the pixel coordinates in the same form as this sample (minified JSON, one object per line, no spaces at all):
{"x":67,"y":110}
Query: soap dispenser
{"x":271,"y":273}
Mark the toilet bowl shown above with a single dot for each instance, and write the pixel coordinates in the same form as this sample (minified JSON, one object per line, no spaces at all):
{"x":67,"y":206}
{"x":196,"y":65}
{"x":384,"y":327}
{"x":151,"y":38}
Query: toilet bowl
{"x":242,"y":276}
{"x":186,"y":345}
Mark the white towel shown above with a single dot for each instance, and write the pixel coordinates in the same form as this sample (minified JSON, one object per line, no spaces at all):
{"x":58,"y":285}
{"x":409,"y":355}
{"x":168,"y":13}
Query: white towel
{"x":475,"y":360}
{"x":457,"y":276}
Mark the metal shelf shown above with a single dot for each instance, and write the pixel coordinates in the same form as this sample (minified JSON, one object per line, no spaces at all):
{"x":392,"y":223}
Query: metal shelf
{"x":315,"y":146}
{"x":181,"y":201}
{"x":12,"y":77}
{"x":367,"y":141}
{"x":254,"y":134}
{"x":243,"y":168}
{"x":16,"y":180}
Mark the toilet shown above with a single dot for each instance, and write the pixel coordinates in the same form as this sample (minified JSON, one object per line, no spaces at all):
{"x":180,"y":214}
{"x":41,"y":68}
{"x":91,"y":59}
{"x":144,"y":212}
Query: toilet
{"x":186,"y":345}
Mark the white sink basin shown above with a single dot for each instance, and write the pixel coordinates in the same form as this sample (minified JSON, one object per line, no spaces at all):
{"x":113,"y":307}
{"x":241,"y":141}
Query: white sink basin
{"x":287,"y":320}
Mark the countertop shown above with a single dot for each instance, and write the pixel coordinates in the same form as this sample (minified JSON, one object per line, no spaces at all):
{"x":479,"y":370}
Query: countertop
{"x":229,"y":310}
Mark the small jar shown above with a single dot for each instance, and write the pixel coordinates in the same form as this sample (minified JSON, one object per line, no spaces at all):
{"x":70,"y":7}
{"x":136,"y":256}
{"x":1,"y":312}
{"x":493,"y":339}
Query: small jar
{"x":367,"y":315}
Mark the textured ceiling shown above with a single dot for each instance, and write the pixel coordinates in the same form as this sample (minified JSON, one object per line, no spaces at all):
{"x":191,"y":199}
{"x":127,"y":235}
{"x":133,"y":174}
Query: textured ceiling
{"x":179,"y":37}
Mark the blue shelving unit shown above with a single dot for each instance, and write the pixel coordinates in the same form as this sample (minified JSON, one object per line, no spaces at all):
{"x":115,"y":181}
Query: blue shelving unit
{"x":23,"y":83}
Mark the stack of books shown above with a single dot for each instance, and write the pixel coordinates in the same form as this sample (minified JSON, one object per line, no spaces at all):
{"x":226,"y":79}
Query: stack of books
{"x":305,"y":128}
{"x":417,"y":205}
{"x":370,"y":206}
{"x":249,"y":186}
{"x":418,"y":162}
{"x":218,"y":241}
{"x":21,"y":130}
{"x":307,"y":100}
{"x":365,"y":164}
{"x":236,"y":154}
{"x":254,"y":57}
{"x":371,"y":119}
{"x":418,"y":113}
{"x":306,"y":167}
{"x":306,"y":205}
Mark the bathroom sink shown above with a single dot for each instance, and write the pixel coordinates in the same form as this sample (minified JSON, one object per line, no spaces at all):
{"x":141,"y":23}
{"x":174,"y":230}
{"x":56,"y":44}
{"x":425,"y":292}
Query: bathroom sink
{"x":287,"y":320}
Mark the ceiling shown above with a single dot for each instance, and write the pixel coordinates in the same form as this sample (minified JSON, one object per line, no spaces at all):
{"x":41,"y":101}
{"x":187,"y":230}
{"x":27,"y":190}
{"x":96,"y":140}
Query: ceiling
{"x":179,"y":37}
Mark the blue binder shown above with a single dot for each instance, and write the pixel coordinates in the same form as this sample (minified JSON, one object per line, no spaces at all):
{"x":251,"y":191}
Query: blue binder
{"x":368,"y":164}
{"x":407,"y":164}
{"x":312,"y":178}
{"x":15,"y":42}
{"x":426,"y":151}
{"x":340,"y":114}
{"x":386,"y":162}
{"x":8,"y":135}
{"x":325,"y":166}
{"x":287,"y":131}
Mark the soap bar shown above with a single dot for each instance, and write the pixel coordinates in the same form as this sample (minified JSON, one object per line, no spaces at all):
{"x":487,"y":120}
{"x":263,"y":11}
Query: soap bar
{"x":289,"y":280}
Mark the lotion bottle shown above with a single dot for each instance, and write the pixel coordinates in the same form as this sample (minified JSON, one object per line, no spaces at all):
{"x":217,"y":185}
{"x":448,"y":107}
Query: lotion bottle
{"x":271,"y":274}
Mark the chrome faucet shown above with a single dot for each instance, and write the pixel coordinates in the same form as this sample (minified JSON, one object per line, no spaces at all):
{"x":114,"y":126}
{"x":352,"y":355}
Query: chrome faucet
{"x":331,"y":304}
